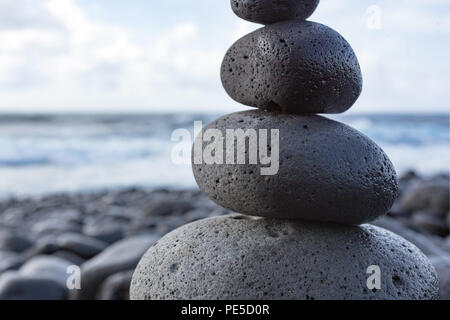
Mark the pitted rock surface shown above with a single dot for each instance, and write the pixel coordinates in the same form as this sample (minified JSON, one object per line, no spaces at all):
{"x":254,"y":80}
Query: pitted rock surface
{"x":327,"y":171}
{"x":270,"y":11}
{"x":239,"y":257}
{"x":294,"y":66}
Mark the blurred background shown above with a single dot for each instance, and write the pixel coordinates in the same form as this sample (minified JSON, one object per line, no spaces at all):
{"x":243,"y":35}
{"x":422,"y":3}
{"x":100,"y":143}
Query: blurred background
{"x":91,"y":91}
{"x":73,"y":73}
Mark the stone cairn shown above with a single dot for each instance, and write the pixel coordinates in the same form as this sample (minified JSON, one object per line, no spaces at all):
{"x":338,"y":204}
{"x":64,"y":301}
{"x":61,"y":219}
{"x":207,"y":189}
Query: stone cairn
{"x":299,"y":232}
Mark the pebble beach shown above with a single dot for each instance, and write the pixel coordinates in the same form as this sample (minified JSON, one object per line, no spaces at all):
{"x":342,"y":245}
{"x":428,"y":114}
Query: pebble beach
{"x":106,"y":234}
{"x":321,"y":173}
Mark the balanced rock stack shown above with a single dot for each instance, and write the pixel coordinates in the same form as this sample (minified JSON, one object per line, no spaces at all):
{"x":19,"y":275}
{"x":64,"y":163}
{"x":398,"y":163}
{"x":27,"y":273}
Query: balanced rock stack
{"x":298,"y":234}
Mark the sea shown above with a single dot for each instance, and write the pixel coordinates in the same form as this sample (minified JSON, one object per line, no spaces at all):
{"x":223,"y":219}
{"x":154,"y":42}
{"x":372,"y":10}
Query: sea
{"x":44,"y":154}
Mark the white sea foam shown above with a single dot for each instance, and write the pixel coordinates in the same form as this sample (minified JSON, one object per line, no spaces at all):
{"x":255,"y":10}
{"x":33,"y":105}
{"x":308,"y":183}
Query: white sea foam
{"x":67,"y":153}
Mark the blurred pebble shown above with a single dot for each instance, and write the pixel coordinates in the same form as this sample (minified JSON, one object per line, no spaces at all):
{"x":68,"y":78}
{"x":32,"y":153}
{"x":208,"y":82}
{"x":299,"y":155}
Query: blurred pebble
{"x":106,"y":233}
{"x":442,"y":266}
{"x":121,"y":256}
{"x":116,"y":287}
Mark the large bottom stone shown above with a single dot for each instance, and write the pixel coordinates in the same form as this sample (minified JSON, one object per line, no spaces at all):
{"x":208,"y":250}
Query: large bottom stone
{"x":240,"y":257}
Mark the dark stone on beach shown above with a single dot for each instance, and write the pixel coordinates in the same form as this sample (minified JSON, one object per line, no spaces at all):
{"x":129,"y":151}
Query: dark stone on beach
{"x":442,"y":266}
{"x":121,"y":256}
{"x":408,"y":177}
{"x":81,"y":245}
{"x":14,"y":240}
{"x":295,"y":67}
{"x":117,"y":286}
{"x":155,"y":225}
{"x":12,"y":217}
{"x":71,"y":257}
{"x":135,"y":205}
{"x":270,"y":11}
{"x":397,"y":211}
{"x":47,"y":267}
{"x":41,"y":278}
{"x":328,"y":172}
{"x":142,"y":225}
{"x":45,"y":245}
{"x":408,"y":181}
{"x":432,"y":196}
{"x":243,"y":258}
{"x":55,"y":226}
{"x":109,"y":232}
{"x":10,"y":261}
{"x":14,"y":286}
{"x":118,"y":214}
{"x":168,"y":206}
{"x":429,"y":245}
{"x":448,"y":220}
{"x":429,"y":222}
{"x":196,"y":214}
{"x":65,"y":216}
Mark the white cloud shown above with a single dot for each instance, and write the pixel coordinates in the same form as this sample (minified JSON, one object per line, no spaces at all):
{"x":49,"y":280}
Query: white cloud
{"x":76,"y":62}
{"x":404,"y":62}
{"x":53,"y":55}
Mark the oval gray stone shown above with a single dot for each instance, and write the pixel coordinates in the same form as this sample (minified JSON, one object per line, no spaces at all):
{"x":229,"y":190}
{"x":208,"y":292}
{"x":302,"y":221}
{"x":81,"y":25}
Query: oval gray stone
{"x":238,"y":257}
{"x":428,"y":196}
{"x":430,"y":246}
{"x":116,"y":286}
{"x":270,"y":11}
{"x":327,"y":171}
{"x":15,"y":286}
{"x":84,"y":246}
{"x":14,"y":240}
{"x":294,"y":66}
{"x":121,"y":256}
{"x":47,"y":267}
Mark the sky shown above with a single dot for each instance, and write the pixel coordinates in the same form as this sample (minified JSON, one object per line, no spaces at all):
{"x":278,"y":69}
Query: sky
{"x":165,"y":56}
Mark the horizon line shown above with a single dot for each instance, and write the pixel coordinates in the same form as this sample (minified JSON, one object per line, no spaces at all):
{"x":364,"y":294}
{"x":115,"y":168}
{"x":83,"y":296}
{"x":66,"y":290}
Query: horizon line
{"x":161,"y":112}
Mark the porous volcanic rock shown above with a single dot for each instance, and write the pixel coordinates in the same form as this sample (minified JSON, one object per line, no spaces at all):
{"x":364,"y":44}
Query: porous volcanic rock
{"x":327,"y":171}
{"x":297,"y":67}
{"x":240,"y":257}
{"x":270,"y":11}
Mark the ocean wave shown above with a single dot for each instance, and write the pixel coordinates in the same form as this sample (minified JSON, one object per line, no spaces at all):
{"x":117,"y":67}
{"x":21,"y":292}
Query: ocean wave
{"x":410,"y":131}
{"x":73,"y":153}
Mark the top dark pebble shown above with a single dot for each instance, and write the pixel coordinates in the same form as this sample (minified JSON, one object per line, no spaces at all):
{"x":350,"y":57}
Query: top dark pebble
{"x":270,"y":11}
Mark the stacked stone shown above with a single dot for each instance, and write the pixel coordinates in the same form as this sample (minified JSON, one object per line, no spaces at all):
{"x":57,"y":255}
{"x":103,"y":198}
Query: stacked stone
{"x":298,"y":234}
